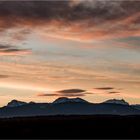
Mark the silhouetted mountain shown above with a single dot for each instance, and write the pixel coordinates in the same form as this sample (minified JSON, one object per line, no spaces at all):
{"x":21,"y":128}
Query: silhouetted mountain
{"x":117,"y":101}
{"x":66,"y":106}
{"x":15,"y":103}
{"x":66,"y":100}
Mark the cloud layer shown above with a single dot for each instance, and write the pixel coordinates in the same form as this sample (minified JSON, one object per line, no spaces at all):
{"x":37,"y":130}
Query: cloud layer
{"x":71,"y":91}
{"x":104,"y":88}
{"x":4,"y":76}
{"x":66,"y":93}
{"x":12,"y":50}
{"x":82,"y":20}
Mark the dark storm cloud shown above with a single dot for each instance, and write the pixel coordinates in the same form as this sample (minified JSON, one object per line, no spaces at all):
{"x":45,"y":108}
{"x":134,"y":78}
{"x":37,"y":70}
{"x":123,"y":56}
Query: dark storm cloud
{"x":88,"y":19}
{"x":47,"y":10}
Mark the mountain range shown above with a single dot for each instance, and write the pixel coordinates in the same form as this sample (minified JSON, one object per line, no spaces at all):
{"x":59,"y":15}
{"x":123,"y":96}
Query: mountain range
{"x":68,"y":106}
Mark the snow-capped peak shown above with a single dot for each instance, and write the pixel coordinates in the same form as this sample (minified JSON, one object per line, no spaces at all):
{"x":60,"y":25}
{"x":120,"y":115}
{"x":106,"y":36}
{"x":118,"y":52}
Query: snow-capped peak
{"x":117,"y":101}
{"x":65,"y":99}
{"x":15,"y":103}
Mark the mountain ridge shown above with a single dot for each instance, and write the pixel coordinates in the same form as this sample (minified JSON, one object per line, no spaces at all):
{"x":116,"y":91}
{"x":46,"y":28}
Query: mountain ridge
{"x":15,"y":102}
{"x":68,"y":106}
{"x":65,"y":100}
{"x":117,"y":101}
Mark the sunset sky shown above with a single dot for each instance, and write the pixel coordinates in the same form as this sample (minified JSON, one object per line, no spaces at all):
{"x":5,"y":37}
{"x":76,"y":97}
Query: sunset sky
{"x":76,"y":48}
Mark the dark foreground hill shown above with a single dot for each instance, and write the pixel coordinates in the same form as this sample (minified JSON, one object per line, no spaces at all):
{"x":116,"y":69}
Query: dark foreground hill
{"x":92,"y":126}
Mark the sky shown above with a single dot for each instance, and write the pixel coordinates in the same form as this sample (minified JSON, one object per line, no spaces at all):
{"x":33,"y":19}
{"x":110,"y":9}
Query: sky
{"x":75,"y":48}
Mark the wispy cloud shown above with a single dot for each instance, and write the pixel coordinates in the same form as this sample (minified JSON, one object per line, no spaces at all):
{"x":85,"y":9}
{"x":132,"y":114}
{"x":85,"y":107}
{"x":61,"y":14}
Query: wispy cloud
{"x":104,"y":88}
{"x":66,"y":93}
{"x":12,"y":50}
{"x":113,"y":92}
{"x":62,"y":95}
{"x":4,"y":76}
{"x":44,"y":94}
{"x":71,"y":91}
